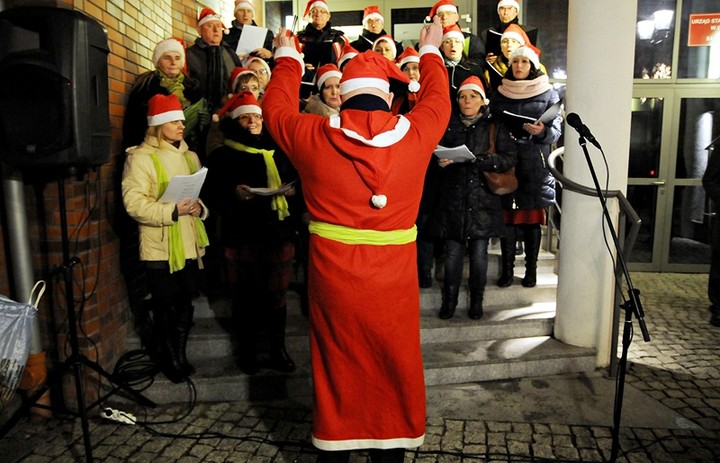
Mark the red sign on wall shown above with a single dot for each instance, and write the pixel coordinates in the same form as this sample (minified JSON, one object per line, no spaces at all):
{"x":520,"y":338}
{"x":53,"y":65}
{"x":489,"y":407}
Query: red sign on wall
{"x":703,"y":29}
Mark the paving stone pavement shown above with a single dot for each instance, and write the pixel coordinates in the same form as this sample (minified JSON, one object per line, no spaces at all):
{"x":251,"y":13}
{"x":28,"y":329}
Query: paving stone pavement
{"x":679,"y":369}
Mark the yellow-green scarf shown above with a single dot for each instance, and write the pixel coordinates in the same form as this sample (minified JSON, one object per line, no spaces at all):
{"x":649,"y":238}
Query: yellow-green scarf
{"x":176,"y":248}
{"x":175,"y":86}
{"x":279,"y":203}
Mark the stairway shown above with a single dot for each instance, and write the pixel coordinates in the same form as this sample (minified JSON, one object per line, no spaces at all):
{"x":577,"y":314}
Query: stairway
{"x":512,"y":340}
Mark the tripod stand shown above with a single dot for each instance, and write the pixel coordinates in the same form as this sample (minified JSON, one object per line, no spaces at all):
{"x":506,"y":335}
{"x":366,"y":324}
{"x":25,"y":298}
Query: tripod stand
{"x":76,"y":360}
{"x":632,"y":306}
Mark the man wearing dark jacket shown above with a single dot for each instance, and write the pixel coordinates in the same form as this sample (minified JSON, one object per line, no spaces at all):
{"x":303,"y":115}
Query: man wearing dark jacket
{"x":711,"y":182}
{"x":210,"y":60}
{"x":245,"y":16}
{"x":373,"y":28}
{"x":320,"y":43}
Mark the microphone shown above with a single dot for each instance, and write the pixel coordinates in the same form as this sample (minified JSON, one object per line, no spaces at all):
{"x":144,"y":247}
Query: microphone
{"x":574,"y":121}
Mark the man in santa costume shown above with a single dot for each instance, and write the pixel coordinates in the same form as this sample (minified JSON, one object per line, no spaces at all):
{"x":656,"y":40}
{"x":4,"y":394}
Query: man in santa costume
{"x":362,"y":173}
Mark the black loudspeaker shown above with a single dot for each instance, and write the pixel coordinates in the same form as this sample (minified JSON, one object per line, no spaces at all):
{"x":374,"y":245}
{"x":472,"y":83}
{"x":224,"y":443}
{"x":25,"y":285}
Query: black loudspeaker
{"x":53,"y":88}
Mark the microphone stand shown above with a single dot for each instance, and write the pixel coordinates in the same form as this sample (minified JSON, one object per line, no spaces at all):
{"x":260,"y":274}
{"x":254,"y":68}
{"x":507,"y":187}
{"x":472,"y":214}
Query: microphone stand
{"x":632,"y":306}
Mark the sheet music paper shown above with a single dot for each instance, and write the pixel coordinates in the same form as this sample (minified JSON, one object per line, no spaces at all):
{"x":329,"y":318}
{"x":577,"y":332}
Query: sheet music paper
{"x":252,"y":38}
{"x":184,"y":187}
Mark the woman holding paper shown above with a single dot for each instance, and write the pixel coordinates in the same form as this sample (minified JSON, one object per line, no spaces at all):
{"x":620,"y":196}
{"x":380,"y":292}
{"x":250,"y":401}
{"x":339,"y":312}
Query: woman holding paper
{"x":251,"y":181}
{"x":172,"y":235}
{"x":526,"y":93}
{"x":465,"y":213}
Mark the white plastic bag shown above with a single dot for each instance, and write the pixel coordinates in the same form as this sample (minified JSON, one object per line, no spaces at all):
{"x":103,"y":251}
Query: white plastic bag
{"x":16,"y":325}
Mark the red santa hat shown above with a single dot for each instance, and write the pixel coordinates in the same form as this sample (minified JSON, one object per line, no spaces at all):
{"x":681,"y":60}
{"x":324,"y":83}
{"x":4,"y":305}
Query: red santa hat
{"x":315,"y":4}
{"x":474,"y":83}
{"x":370,"y":70}
{"x":529,"y":52}
{"x":326,"y":71}
{"x":453,"y":32}
{"x":243,"y":103}
{"x":166,"y":46}
{"x":235,"y":75}
{"x":207,"y":15}
{"x":163,"y":109}
{"x":372,"y":12}
{"x":513,"y":31}
{"x":388,"y":39}
{"x":244,"y":5}
{"x":348,"y":52}
{"x":514,"y":3}
{"x":409,"y":55}
{"x":439,"y":7}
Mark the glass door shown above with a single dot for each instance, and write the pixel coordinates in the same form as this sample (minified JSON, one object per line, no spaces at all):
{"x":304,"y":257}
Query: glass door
{"x":671,"y":131}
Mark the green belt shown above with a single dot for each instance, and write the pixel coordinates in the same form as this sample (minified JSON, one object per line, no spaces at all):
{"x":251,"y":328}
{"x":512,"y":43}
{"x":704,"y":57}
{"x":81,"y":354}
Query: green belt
{"x":349,"y":235}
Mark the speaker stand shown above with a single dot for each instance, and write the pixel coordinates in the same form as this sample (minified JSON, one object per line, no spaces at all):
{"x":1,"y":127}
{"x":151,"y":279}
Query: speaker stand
{"x":76,"y":360}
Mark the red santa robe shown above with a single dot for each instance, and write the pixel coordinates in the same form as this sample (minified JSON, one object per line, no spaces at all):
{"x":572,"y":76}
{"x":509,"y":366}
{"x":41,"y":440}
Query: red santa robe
{"x":369,"y":387}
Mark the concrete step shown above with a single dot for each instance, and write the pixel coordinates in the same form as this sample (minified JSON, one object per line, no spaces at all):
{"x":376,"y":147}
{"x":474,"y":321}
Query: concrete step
{"x":512,"y":340}
{"x":445,"y":363}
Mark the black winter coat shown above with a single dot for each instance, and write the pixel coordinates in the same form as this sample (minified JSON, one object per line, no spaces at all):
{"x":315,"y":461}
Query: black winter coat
{"x":254,"y":221}
{"x":536,"y":185}
{"x":211,"y":67}
{"x":464,"y":208}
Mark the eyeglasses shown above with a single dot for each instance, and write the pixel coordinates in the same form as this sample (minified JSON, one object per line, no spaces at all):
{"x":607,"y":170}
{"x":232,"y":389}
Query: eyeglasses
{"x":251,"y":117}
{"x":260,"y":71}
{"x":319,"y":11}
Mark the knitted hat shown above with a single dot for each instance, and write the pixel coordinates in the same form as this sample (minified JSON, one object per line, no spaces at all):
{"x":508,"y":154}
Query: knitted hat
{"x":315,"y":4}
{"x":529,"y":52}
{"x":409,"y":55}
{"x":348,"y":52}
{"x":235,"y":75}
{"x":514,"y":3}
{"x":257,"y":59}
{"x":453,"y":32}
{"x":166,"y":46}
{"x":243,"y":103}
{"x":513,"y":31}
{"x":372,"y":12}
{"x":163,"y":109}
{"x":474,"y":83}
{"x":388,"y":39}
{"x":439,"y":7}
{"x":370,"y":70}
{"x":244,"y":5}
{"x":207,"y":15}
{"x":326,"y":71}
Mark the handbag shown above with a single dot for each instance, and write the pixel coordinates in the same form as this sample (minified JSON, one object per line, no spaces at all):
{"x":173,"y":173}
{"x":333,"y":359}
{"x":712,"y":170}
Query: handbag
{"x":501,"y":183}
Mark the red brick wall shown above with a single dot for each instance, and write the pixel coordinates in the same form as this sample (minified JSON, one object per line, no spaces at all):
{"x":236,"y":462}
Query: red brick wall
{"x":109,"y":281}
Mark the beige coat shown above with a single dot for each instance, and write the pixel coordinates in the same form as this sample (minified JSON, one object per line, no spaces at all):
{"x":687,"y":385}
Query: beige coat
{"x":140,"y":197}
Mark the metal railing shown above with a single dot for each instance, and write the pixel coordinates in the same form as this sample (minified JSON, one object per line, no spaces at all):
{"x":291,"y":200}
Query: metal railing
{"x":625,"y":239}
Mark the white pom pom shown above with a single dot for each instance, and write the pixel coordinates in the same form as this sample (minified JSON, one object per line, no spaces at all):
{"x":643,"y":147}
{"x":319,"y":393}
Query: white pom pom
{"x":215,"y":118}
{"x":379,"y":201}
{"x":414,"y":86}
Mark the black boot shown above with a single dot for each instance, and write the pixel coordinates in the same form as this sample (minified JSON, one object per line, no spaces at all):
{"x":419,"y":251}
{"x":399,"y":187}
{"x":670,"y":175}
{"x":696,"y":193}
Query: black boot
{"x":476,"y":304}
{"x":387,"y":456}
{"x":341,"y":456}
{"x":449,"y":301}
{"x":507,"y":259}
{"x":533,"y":235}
{"x":279,"y":358}
{"x":166,"y":332}
{"x":184,"y":320}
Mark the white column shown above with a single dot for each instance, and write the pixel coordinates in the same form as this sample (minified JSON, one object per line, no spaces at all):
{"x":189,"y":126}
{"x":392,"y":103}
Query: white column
{"x":600,"y":54}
